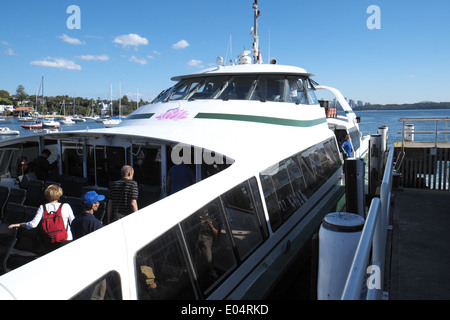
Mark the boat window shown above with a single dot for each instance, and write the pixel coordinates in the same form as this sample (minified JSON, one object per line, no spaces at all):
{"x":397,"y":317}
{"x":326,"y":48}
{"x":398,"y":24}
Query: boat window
{"x":243,"y":219}
{"x":355,"y":136}
{"x":272,"y":88}
{"x":312,"y":98}
{"x":209,"y":245}
{"x":209,"y":88}
{"x":309,"y":171}
{"x":332,"y":153}
{"x":278,"y":193}
{"x":238,"y":88}
{"x":184,"y":89}
{"x":275,"y":88}
{"x":298,"y":181}
{"x":288,"y":184}
{"x":11,"y":158}
{"x":161,"y":270}
{"x":72,"y":159}
{"x":109,"y":161}
{"x":106,"y":288}
{"x":51,"y":145}
{"x":147,"y":173}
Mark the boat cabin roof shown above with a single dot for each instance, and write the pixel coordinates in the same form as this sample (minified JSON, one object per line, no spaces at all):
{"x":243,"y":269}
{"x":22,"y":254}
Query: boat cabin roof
{"x":249,"y":69}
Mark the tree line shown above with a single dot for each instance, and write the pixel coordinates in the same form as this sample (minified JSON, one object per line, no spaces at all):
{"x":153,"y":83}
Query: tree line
{"x":61,"y":103}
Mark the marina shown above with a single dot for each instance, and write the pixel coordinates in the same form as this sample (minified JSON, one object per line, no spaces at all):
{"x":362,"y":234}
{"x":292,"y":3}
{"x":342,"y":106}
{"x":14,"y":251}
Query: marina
{"x":289,"y":196}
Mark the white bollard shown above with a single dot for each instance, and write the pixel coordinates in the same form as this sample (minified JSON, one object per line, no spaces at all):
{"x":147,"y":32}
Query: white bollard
{"x":409,"y":132}
{"x":339,"y":236}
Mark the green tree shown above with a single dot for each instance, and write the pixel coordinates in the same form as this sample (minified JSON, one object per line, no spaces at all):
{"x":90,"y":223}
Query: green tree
{"x":21,"y":94}
{"x":4,"y":94}
{"x":4,"y":101}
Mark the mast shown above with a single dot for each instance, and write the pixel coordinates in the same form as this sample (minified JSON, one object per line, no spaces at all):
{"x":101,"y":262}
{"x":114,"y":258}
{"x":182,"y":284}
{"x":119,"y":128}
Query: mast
{"x":254,"y":34}
{"x":43,"y":98}
{"x":120,"y":99}
{"x":110,"y":98}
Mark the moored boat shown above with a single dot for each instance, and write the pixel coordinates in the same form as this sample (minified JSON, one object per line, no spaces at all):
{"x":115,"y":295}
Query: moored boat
{"x":31,"y":126}
{"x":5,"y":131}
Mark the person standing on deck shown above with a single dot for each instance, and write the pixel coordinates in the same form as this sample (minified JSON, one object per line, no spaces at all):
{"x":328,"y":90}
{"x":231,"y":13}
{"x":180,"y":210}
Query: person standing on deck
{"x":346,"y":147}
{"x":123,"y":196}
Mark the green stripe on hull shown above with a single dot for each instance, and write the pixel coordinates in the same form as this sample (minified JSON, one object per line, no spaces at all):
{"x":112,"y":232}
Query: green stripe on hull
{"x":258,"y":119}
{"x":141,"y":116}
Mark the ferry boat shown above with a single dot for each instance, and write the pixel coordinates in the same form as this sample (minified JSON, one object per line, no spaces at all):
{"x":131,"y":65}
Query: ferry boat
{"x":267,"y":170}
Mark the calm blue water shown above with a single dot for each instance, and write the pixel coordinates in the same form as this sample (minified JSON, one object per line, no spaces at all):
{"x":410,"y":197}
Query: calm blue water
{"x":370,"y":122}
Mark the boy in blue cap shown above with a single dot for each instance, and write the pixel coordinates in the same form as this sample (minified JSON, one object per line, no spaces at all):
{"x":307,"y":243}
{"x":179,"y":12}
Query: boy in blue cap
{"x":86,"y":222}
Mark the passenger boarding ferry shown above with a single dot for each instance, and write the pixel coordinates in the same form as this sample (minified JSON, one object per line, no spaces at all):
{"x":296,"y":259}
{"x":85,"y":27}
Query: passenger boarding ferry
{"x":267,"y":170}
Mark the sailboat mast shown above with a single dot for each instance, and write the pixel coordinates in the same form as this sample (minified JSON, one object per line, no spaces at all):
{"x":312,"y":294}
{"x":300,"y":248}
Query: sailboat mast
{"x":111,"y":102}
{"x":43,"y":98}
{"x":120,"y":99}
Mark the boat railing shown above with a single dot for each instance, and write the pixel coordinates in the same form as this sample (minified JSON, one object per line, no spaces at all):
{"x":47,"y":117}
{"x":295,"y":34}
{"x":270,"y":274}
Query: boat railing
{"x":372,"y":242}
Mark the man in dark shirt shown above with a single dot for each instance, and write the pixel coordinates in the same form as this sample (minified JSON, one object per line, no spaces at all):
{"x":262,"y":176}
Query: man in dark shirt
{"x":86,"y":222}
{"x":42,"y":168}
{"x":123,"y":195}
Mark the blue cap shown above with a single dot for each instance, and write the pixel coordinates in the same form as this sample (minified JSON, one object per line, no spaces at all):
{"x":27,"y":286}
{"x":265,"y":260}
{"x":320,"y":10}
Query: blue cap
{"x":91,"y":197}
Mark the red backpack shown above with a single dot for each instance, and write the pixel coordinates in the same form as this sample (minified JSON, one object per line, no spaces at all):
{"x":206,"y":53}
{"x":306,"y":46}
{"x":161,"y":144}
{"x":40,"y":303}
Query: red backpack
{"x":53,"y":226}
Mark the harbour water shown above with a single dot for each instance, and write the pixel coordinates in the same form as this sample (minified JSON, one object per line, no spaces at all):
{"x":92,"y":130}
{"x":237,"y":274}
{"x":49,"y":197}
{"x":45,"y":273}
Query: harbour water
{"x":373,"y":119}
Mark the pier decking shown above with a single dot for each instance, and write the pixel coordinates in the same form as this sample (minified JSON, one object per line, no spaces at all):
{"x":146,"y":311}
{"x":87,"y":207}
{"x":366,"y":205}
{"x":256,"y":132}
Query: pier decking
{"x":420,"y":245}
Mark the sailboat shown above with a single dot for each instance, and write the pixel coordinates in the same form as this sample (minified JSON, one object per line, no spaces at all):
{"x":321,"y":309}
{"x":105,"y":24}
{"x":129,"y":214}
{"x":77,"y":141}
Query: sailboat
{"x":114,"y":121}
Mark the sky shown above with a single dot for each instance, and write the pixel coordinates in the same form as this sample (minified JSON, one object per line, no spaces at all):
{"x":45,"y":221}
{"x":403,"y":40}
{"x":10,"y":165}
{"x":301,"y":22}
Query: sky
{"x":398,"y":53}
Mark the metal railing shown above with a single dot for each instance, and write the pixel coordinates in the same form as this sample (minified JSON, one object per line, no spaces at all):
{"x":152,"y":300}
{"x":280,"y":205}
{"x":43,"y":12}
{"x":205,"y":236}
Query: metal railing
{"x":409,"y":131}
{"x":373,"y":237}
{"x":436,"y":130}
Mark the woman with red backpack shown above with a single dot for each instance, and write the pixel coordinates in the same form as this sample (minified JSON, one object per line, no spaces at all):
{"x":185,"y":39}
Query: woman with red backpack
{"x":54,"y":219}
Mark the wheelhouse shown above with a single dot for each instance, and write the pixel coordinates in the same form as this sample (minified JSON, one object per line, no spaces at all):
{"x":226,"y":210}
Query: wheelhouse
{"x":297,"y":89}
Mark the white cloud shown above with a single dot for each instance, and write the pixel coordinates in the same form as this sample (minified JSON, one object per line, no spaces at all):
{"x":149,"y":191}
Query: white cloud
{"x":70,"y":40}
{"x":195,"y":63}
{"x":58,"y":63}
{"x":180,"y":45}
{"x":137,"y":60}
{"x":132,"y":39}
{"x":102,"y":57}
{"x":4,"y":43}
{"x":10,"y":52}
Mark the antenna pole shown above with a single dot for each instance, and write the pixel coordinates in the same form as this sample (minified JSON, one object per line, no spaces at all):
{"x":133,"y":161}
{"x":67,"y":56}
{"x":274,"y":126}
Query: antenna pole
{"x":254,"y":34}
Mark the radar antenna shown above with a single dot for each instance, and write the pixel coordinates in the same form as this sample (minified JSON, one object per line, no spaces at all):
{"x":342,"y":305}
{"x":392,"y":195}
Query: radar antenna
{"x":254,"y":34}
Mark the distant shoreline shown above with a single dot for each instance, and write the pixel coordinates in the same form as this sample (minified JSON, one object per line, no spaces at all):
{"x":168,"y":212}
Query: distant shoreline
{"x":420,"y":105}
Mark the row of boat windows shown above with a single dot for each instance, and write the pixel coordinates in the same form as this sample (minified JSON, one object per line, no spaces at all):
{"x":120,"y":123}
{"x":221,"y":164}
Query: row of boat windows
{"x":288,"y":184}
{"x":193,"y":258}
{"x":261,"y":88}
